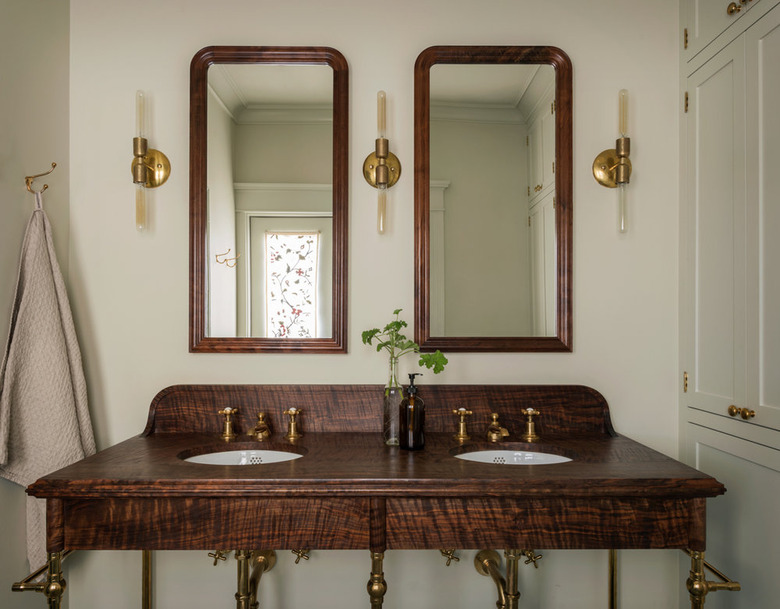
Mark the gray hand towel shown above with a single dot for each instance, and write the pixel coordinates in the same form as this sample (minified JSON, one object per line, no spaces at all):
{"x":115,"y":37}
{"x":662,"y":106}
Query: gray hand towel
{"x":44,"y":419}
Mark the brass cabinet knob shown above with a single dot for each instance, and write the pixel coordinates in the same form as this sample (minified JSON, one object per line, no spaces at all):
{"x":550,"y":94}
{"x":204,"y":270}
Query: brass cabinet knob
{"x":733,"y":8}
{"x":745,"y":413}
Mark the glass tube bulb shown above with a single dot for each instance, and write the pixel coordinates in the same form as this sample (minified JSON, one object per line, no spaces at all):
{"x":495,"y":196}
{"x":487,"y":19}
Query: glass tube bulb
{"x":622,"y":220}
{"x":381,"y":211}
{"x":140,"y":207}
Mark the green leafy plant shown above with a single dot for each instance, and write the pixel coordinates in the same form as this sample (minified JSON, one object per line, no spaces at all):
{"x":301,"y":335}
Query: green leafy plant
{"x":397,"y":345}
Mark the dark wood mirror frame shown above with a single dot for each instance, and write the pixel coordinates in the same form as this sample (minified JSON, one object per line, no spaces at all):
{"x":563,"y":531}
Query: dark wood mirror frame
{"x":563,"y":204}
{"x":201,"y":62}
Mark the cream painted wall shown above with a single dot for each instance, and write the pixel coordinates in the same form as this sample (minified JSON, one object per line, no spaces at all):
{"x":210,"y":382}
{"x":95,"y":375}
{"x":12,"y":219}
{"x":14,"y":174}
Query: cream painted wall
{"x":129,"y":289}
{"x":33,"y":133}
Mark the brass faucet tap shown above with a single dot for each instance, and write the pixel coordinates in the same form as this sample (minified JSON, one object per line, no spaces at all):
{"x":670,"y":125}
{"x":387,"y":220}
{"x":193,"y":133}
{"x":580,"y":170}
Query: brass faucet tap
{"x":292,"y":430}
{"x":463,"y":434}
{"x":262,"y":430}
{"x":530,"y":434}
{"x":227,"y":431}
{"x":496,"y":433}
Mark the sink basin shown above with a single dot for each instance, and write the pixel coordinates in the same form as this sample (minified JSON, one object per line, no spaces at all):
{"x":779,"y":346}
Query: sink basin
{"x":243,"y":457}
{"x":513,"y":457}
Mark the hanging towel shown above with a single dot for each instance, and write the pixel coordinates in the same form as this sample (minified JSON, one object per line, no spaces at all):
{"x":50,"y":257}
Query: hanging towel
{"x":44,"y":419}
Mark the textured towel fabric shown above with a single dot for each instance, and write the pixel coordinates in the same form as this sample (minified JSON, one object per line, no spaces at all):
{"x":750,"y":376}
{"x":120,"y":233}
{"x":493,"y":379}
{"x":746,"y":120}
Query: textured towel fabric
{"x":44,"y":419}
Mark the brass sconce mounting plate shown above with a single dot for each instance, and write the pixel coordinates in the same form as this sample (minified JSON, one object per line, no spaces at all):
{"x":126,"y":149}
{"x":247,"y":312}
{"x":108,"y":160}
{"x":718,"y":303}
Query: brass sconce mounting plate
{"x":158,"y":166}
{"x":604,"y":166}
{"x":370,"y":164}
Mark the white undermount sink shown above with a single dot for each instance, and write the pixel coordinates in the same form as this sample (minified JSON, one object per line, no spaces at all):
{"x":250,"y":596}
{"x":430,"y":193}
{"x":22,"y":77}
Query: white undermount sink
{"x":513,"y":457}
{"x":244,"y":457}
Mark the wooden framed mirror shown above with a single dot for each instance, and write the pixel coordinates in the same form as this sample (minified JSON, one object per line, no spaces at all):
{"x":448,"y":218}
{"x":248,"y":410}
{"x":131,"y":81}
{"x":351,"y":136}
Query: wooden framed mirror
{"x":268,"y":200}
{"x":493,"y":199}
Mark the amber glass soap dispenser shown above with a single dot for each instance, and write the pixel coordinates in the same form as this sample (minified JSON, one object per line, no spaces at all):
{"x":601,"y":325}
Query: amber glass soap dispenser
{"x":412,"y":418}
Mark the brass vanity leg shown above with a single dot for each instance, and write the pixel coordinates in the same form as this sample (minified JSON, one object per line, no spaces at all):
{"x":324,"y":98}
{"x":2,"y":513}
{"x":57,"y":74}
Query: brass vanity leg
{"x":697,"y":584}
{"x":146,"y":579}
{"x":512,"y":593}
{"x":55,"y":583}
{"x":613,"y":579}
{"x":243,"y":594}
{"x":377,"y":586}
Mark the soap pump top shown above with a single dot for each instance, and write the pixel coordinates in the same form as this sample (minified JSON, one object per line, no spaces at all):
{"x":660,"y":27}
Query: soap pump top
{"x":412,"y":389}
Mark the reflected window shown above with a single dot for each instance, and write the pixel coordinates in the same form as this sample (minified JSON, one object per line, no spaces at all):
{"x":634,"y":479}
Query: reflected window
{"x":291,"y":283}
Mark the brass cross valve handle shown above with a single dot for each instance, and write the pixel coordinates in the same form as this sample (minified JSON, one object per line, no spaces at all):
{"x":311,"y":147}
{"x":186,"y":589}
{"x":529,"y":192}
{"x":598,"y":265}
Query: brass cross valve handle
{"x":292,"y":429}
{"x":532,"y":557}
{"x":496,"y":433}
{"x":227,"y":431}
{"x":463,"y":434}
{"x":449,"y":554}
{"x":218,"y":555}
{"x":262,"y":430}
{"x":530,"y":434}
{"x":301,"y":554}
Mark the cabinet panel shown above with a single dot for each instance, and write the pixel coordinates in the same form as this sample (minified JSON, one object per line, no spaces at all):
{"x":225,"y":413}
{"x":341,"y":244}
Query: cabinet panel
{"x":708,"y":18}
{"x":763,"y":161}
{"x":742,"y":524}
{"x":543,"y":275}
{"x":716,"y":202}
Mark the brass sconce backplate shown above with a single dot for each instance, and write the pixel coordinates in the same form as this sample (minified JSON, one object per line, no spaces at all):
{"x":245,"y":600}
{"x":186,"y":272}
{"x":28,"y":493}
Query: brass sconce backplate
{"x":604,"y":167}
{"x":158,"y":167}
{"x":370,"y":164}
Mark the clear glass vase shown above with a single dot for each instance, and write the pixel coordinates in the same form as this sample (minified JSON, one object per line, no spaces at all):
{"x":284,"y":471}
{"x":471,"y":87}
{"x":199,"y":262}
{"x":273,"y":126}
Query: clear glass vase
{"x":392,"y":403}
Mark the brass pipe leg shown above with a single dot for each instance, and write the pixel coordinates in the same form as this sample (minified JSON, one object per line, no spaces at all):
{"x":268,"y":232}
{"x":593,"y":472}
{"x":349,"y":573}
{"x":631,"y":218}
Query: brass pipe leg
{"x":146,"y":579}
{"x":512,"y":592}
{"x":697,"y":584}
{"x":243,"y":595}
{"x":613,"y":579}
{"x":55,"y":583}
{"x":377,"y":586}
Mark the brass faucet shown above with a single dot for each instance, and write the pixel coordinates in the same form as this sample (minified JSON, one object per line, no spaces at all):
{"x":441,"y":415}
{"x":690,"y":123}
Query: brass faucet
{"x":496,"y":433}
{"x":292,"y":430}
{"x":463,"y":434}
{"x":530,"y":434}
{"x":262,"y":430}
{"x":227,"y":431}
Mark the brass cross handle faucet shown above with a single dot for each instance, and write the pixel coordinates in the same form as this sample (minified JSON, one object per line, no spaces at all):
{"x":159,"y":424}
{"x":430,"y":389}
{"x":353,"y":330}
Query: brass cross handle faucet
{"x":530,"y":434}
{"x":496,"y":433}
{"x":227,"y":431}
{"x":292,"y":429}
{"x":463,"y":434}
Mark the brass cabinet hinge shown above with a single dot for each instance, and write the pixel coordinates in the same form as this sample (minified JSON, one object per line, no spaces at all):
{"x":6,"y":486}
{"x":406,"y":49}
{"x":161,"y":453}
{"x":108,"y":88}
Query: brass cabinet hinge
{"x":529,"y":191}
{"x":526,"y":140}
{"x":552,"y":107}
{"x":685,"y":382}
{"x":553,"y":202}
{"x":553,"y":166}
{"x":685,"y":38}
{"x":686,"y":101}
{"x":529,"y":220}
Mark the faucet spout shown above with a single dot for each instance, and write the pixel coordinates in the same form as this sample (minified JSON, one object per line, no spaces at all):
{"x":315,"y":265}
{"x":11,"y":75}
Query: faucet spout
{"x":487,"y":562}
{"x":496,"y":433}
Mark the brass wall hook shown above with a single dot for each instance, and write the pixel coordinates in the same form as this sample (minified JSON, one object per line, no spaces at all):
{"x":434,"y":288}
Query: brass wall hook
{"x":225,"y":260}
{"x":28,"y":180}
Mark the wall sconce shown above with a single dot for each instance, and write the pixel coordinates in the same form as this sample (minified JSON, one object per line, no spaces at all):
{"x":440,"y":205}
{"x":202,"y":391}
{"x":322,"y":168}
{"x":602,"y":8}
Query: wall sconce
{"x":381,"y":168}
{"x":612,"y":168}
{"x":150,"y":167}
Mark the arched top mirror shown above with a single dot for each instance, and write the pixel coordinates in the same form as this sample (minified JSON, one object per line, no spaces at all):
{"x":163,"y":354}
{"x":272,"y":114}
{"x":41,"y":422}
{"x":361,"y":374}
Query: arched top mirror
{"x":493,"y":198}
{"x":268,"y":200}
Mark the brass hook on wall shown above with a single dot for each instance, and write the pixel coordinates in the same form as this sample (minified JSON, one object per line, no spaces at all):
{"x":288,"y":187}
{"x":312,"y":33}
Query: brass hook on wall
{"x":28,"y":180}
{"x":227,"y":261}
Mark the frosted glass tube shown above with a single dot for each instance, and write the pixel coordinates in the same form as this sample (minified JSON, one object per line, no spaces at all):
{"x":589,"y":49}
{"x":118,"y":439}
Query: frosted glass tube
{"x":140,"y":102}
{"x":622,"y":220}
{"x":381,"y":211}
{"x":623,"y":111}
{"x":140,"y":207}
{"x":381,"y":114}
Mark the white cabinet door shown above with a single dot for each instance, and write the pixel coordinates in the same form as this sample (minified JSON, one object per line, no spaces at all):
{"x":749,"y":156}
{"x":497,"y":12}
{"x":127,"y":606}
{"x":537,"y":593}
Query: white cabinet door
{"x":762,"y":60}
{"x":706,"y":19}
{"x":543,"y":266}
{"x":713,"y":289}
{"x":742,"y":527}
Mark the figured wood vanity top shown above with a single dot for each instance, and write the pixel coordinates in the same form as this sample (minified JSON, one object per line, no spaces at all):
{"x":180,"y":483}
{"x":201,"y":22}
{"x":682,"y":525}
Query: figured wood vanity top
{"x":350,"y":491}
{"x":183,"y":420}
